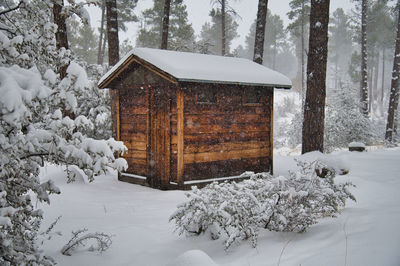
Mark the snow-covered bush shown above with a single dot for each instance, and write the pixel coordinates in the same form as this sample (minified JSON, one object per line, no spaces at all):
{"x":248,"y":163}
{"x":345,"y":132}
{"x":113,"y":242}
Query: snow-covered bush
{"x":41,"y":116}
{"x":344,"y":123}
{"x":238,"y":211}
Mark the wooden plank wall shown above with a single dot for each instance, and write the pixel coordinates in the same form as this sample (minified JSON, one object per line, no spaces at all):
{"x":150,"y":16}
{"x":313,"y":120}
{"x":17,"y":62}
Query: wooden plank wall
{"x":226,"y":138}
{"x":133,"y":128}
{"x":160,"y":137}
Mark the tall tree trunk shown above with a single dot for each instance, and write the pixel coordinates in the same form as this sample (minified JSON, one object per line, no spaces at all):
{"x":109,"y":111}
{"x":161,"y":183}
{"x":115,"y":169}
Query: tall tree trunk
{"x":394,"y":88}
{"x":370,"y":78}
{"x":165,"y":25}
{"x":61,"y":34}
{"x":112,"y":32}
{"x":383,"y":76}
{"x":260,"y":31}
{"x":100,"y":52}
{"x":223,"y":37}
{"x":374,"y":91}
{"x":103,"y":49}
{"x":274,"y":56}
{"x":113,"y":55}
{"x":303,"y":51}
{"x":314,"y":109}
{"x":364,"y":73}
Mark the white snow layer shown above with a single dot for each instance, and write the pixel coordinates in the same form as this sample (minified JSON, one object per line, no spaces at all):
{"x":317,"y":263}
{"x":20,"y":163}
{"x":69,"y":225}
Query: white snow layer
{"x":366,"y":233}
{"x":206,"y":68}
{"x":193,"y":258}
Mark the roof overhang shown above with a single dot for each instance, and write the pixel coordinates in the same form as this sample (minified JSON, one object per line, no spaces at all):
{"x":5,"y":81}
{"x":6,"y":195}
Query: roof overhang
{"x":141,"y":56}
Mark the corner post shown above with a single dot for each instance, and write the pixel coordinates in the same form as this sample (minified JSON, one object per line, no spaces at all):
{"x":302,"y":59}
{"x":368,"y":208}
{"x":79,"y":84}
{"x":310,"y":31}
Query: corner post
{"x":271,"y":131}
{"x":180,"y":123}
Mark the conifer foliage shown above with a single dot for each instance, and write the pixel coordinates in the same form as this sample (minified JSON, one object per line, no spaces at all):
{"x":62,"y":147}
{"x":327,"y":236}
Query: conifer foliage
{"x":41,"y":118}
{"x":237,"y":211}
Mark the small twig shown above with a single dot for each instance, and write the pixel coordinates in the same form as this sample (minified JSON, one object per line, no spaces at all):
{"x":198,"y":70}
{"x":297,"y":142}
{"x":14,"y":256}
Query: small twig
{"x":283,"y":249}
{"x":11,"y":9}
{"x":345,"y":237}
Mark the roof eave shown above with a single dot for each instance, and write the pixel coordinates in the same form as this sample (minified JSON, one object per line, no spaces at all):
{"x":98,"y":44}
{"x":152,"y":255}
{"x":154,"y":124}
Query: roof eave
{"x":128,"y":61}
{"x":277,"y":86}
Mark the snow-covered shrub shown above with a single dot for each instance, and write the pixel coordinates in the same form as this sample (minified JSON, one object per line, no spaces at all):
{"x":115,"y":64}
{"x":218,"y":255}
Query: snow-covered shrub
{"x":238,"y":211}
{"x":41,"y":116}
{"x":344,"y":123}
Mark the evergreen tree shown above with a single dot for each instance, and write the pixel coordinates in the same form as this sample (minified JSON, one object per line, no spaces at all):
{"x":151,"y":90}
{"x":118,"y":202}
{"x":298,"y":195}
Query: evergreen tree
{"x":260,"y":31}
{"x":275,"y":40}
{"x":314,"y":106}
{"x":340,"y":45}
{"x":211,"y":32}
{"x":394,"y":90}
{"x":300,"y":15}
{"x":381,"y":35}
{"x":180,"y":32}
{"x":125,"y":10}
{"x":33,"y":124}
{"x":344,"y":123}
{"x":364,"y":73}
{"x":165,"y":25}
{"x":82,"y":40}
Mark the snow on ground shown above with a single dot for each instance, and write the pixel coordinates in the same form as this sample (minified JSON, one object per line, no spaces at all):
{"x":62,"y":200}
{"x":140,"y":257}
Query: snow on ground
{"x":365,"y":234}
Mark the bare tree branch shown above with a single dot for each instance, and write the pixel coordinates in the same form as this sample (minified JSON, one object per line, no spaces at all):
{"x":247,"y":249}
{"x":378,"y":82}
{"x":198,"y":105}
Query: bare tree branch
{"x":11,"y":9}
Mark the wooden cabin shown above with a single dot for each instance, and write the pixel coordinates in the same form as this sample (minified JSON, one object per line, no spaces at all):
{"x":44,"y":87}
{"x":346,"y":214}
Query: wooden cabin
{"x":192,"y":118}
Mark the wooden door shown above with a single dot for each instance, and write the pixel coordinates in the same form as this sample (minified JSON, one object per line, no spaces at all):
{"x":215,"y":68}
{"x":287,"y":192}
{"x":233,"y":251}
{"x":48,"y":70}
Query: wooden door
{"x":159,"y":165}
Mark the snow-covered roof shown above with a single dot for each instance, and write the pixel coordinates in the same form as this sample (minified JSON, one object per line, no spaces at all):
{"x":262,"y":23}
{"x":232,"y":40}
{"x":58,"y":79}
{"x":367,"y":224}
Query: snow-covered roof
{"x":191,"y":67}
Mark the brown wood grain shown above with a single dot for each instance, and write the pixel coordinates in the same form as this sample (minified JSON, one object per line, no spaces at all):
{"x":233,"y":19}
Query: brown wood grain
{"x":180,"y":136}
{"x":224,"y":146}
{"x":225,"y":155}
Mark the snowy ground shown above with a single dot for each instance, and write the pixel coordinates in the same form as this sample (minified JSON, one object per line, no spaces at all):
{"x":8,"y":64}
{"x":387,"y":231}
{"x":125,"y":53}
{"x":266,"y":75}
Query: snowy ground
{"x":367,"y":232}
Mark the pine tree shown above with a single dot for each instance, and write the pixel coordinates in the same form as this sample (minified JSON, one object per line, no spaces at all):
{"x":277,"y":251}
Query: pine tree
{"x":275,"y":39}
{"x":260,"y":31}
{"x":113,"y":55}
{"x":364,"y":73}
{"x":34,"y":126}
{"x":394,"y":90}
{"x":165,"y":24}
{"x":180,"y":31}
{"x":125,"y":10}
{"x":314,"y":107}
{"x":340,"y":45}
{"x":82,"y":40}
{"x":344,"y":123}
{"x":300,"y":14}
{"x":211,"y":32}
{"x":61,"y":34}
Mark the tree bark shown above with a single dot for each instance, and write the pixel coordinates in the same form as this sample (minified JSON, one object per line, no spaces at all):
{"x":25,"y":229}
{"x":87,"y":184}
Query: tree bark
{"x":260,"y":31}
{"x":303,"y":51}
{"x":113,"y":55}
{"x":112,"y":32}
{"x":383,"y":76}
{"x":364,"y":73}
{"x":165,"y":25}
{"x":314,"y":107}
{"x":394,"y":88}
{"x":100,"y":57}
{"x":61,"y":34}
{"x":223,"y":37}
{"x":374,"y":91}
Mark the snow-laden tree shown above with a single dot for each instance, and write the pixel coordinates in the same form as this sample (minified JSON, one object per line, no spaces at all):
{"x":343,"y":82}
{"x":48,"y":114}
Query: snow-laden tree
{"x":344,"y":123}
{"x":180,"y":32}
{"x":42,"y":118}
{"x":236,"y":211}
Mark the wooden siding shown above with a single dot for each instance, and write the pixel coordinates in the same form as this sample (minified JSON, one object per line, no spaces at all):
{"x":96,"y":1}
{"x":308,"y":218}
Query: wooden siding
{"x":226,"y":138}
{"x":133,"y":110}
